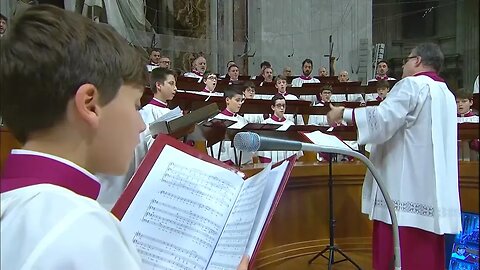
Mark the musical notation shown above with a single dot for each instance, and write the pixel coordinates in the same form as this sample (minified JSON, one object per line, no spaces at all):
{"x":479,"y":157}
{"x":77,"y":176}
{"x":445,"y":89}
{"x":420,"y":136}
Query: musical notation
{"x":164,"y":255}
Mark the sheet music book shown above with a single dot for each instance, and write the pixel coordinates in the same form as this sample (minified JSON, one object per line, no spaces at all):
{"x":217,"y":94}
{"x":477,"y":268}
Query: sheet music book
{"x":186,"y":210}
{"x":176,"y":124}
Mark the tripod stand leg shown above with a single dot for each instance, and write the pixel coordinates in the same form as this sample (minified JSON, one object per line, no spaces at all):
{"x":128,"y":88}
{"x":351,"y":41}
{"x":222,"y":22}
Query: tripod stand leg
{"x":318,"y":255}
{"x":349,"y":259}
{"x":331,"y":247}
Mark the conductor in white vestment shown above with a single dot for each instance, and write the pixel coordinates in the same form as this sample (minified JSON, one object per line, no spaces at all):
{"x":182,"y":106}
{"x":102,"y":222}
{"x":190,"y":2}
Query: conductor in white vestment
{"x":414,"y":138}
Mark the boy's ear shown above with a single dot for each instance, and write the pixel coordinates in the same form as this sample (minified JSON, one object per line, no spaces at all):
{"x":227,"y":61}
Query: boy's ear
{"x":87,"y":103}
{"x":272,"y":107}
{"x":157,"y":86}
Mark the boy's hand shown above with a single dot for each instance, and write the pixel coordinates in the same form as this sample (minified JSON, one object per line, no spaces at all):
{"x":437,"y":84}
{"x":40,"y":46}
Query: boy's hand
{"x":335,"y":115}
{"x":243,"y":263}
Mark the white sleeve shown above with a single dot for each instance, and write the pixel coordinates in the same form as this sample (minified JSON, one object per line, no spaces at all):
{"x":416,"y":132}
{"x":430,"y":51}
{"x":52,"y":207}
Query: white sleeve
{"x":297,"y":82}
{"x":377,"y":124}
{"x":85,"y":240}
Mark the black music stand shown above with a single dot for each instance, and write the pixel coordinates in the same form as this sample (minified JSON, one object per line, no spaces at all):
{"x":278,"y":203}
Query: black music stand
{"x":331,"y":248}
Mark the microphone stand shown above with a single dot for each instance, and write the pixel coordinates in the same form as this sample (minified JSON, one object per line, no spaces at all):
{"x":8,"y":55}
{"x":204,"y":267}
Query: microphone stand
{"x":379,"y":181}
{"x":331,"y":247}
{"x":249,"y":143}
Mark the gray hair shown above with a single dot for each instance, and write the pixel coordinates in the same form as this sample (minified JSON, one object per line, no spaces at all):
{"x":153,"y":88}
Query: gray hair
{"x":431,"y":55}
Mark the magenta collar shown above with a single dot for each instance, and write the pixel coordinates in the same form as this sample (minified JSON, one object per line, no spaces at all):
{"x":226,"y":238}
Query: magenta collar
{"x":28,"y":169}
{"x":433,"y":75}
{"x":306,"y":78}
{"x":468,"y":114}
{"x":197,"y":72}
{"x":228,"y":113}
{"x":276,"y":119}
{"x":158,"y":103}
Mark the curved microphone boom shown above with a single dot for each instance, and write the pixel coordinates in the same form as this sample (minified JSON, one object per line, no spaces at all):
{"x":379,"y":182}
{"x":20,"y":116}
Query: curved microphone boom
{"x":251,"y":142}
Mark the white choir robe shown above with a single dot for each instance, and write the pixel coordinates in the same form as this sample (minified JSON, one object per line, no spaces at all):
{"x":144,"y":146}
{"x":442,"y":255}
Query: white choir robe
{"x":371,"y":97}
{"x":465,"y":153}
{"x":388,"y":79}
{"x":298,"y":82}
{"x":276,"y":156}
{"x":46,"y":226}
{"x":291,"y":117}
{"x":227,"y":153}
{"x":253,"y":118}
{"x":318,"y":120}
{"x":151,"y":67}
{"x":414,"y":146}
{"x":113,"y":185}
{"x":468,"y":119}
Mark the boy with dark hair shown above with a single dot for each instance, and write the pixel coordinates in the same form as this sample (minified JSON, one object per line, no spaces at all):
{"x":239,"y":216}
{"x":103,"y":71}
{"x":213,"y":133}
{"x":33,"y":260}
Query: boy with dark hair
{"x":281,"y":85}
{"x":210,"y":81}
{"x":249,"y":90}
{"x":278,"y":107}
{"x":464,"y":99}
{"x":77,"y":115}
{"x":383,"y":87}
{"x":249,"y":93}
{"x":323,"y":98}
{"x":234,"y":99}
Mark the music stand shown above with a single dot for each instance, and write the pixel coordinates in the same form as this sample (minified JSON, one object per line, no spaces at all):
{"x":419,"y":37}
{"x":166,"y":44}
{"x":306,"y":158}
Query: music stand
{"x":331,"y":247}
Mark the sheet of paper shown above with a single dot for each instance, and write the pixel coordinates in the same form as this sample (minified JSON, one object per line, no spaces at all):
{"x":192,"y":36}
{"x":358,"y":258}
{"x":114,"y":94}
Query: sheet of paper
{"x":284,"y":127}
{"x":234,"y":239}
{"x":171,"y":115}
{"x":180,"y":211}
{"x":214,"y":94}
{"x":274,"y":180}
{"x":328,"y":141}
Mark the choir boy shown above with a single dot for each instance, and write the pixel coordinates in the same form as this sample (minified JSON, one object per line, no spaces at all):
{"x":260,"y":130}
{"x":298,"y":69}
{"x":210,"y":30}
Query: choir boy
{"x":464,"y":99}
{"x":84,"y":121}
{"x":465,"y":114}
{"x":323,"y":99}
{"x":210,"y":81}
{"x":249,"y":93}
{"x":281,"y":85}
{"x":278,"y":117}
{"x":234,"y":99}
{"x":383,"y":87}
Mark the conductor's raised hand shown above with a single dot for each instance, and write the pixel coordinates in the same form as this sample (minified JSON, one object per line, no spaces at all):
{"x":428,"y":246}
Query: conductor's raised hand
{"x":243,"y":263}
{"x":335,"y":115}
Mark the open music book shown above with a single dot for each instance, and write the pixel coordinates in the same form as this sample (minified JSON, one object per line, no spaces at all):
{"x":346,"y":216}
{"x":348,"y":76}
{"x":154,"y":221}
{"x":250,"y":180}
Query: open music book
{"x":185,"y":210}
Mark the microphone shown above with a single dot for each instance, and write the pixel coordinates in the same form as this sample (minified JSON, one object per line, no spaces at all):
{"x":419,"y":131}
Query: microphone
{"x":251,"y":142}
